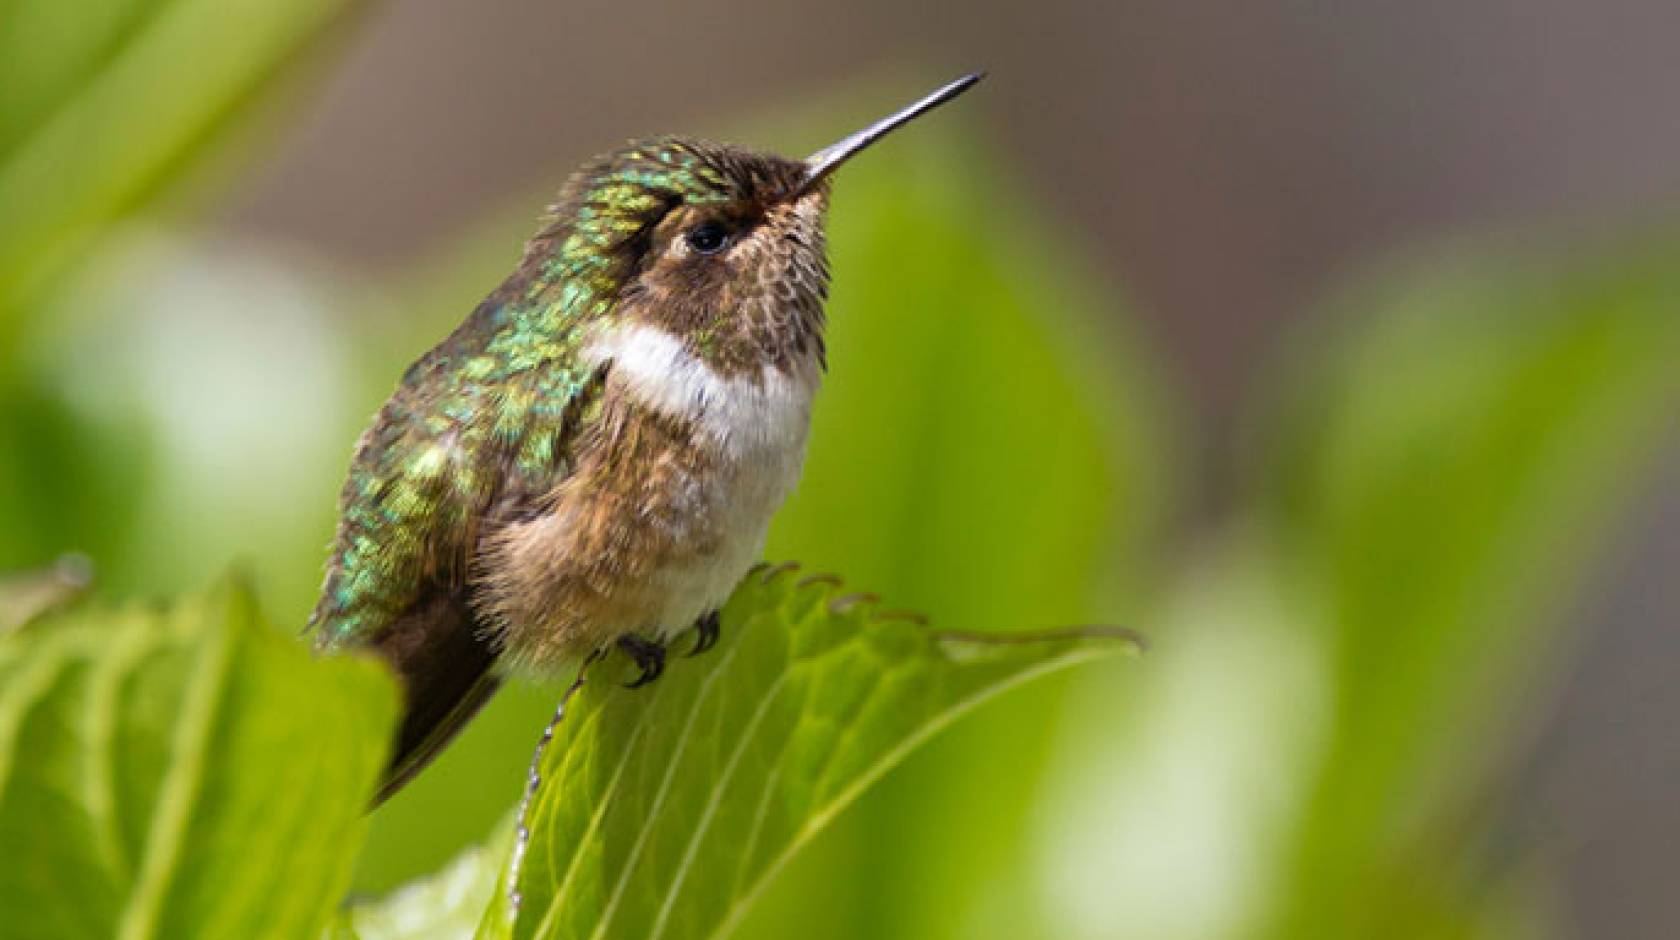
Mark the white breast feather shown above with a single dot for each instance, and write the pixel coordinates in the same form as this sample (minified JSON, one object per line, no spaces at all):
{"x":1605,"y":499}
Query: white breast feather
{"x":741,"y":414}
{"x":756,"y":426}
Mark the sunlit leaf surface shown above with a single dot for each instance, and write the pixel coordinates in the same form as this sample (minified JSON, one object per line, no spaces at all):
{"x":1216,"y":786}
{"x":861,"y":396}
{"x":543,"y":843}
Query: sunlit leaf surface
{"x":180,"y":773}
{"x":664,"y":810}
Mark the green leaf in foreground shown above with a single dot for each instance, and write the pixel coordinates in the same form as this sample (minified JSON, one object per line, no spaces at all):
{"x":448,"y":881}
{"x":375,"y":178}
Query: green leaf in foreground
{"x":663,"y":812}
{"x":186,"y":773}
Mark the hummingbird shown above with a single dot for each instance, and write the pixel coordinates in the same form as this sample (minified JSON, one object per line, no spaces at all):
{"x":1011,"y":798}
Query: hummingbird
{"x":591,"y":460}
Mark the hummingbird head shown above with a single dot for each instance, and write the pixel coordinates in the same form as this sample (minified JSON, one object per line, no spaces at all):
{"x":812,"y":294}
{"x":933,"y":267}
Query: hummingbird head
{"x":719,"y":246}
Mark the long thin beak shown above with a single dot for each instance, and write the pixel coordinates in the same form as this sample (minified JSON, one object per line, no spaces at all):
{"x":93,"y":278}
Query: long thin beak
{"x":825,"y":161}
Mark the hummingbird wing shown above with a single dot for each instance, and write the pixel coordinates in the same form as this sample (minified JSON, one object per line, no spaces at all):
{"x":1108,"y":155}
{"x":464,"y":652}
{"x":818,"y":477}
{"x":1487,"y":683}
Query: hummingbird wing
{"x":467,"y":441}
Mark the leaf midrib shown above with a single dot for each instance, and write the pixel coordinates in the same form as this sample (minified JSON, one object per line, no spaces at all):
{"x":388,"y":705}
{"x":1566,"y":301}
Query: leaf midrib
{"x":824,"y":814}
{"x":170,"y":817}
{"x":99,"y":784}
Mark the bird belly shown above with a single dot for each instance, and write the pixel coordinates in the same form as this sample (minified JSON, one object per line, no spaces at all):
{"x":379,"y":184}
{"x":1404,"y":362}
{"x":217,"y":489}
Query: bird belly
{"x":731,"y":519}
{"x":665,"y":513}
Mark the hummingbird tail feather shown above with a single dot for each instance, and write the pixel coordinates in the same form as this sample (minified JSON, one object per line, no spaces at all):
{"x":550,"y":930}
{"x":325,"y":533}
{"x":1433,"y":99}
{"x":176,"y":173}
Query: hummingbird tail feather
{"x":445,"y":665}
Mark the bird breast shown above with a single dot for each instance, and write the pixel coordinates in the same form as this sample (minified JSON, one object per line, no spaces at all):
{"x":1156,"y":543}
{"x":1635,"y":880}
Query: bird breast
{"x":650,"y":546}
{"x":754,"y":414}
{"x":749,"y":427}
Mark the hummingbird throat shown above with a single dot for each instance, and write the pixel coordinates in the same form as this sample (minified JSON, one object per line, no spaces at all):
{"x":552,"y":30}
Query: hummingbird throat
{"x":741,"y":413}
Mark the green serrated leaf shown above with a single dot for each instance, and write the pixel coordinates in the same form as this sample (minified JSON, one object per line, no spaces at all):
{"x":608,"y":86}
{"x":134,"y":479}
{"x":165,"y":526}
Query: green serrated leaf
{"x":663,"y":812}
{"x":180,"y":773}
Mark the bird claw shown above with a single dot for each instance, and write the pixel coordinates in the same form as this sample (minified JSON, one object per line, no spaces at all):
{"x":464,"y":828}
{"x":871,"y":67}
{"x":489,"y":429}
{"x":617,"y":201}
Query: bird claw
{"x":648,"y":655}
{"x":707,"y":627}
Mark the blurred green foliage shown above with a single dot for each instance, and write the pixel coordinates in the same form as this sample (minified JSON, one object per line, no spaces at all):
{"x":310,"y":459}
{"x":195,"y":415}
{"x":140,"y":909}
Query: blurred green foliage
{"x":1440,"y":481}
{"x":450,"y":903}
{"x":1312,"y":751}
{"x":102,"y":102}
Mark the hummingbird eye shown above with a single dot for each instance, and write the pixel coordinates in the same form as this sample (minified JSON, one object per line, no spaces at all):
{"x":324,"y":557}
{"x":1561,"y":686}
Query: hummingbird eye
{"x":708,"y":238}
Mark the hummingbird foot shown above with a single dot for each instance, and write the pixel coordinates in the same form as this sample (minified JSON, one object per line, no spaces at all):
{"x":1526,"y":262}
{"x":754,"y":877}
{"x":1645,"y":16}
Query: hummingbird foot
{"x":648,"y":655}
{"x":707,"y":627}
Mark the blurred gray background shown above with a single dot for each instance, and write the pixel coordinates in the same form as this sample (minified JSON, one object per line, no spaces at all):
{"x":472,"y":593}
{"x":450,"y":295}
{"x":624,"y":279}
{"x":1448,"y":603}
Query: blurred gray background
{"x":1221,"y":161}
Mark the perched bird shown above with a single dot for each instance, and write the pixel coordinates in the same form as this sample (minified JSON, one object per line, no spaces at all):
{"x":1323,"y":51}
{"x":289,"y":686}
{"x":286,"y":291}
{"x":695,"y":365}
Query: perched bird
{"x":592,"y":459}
